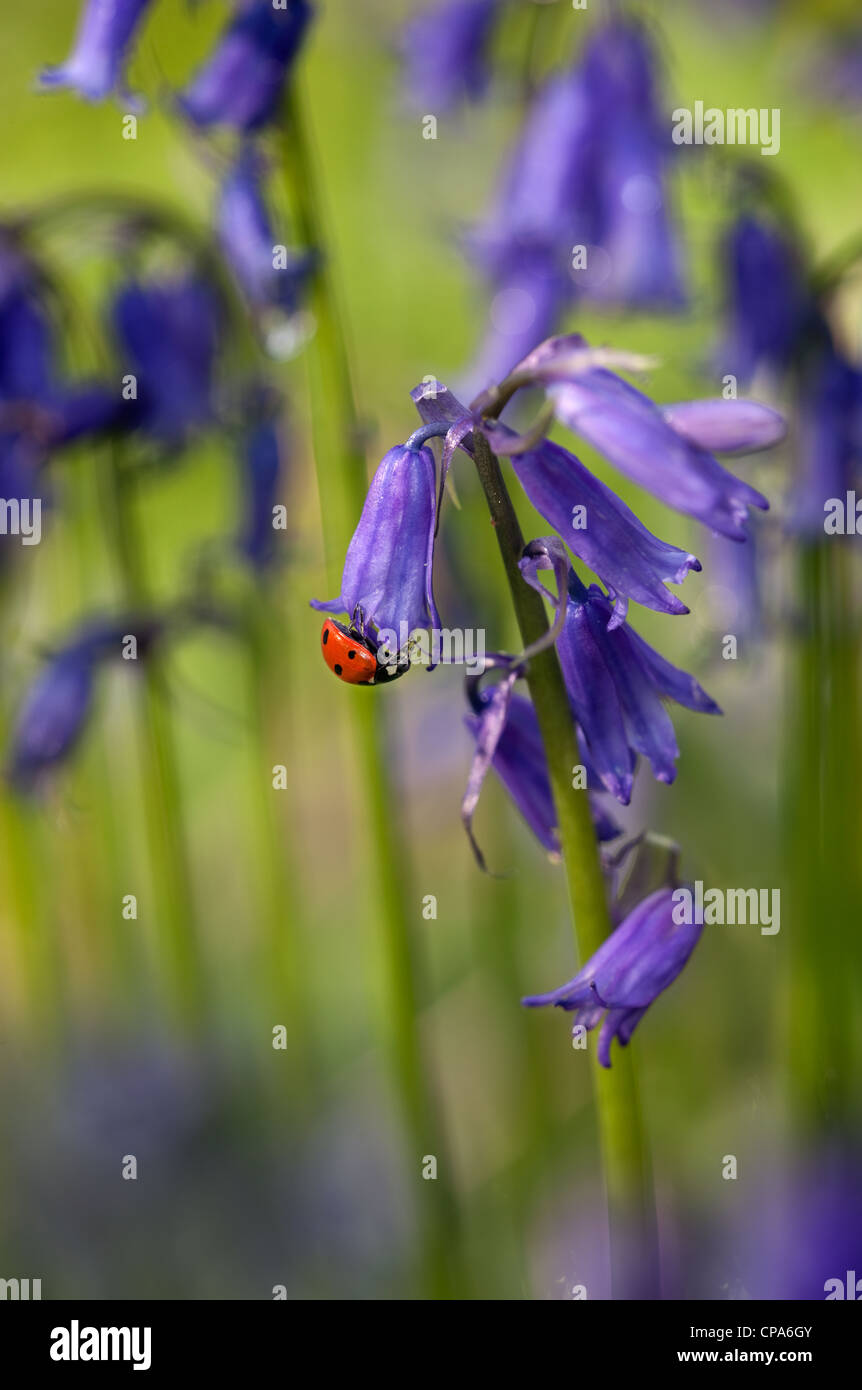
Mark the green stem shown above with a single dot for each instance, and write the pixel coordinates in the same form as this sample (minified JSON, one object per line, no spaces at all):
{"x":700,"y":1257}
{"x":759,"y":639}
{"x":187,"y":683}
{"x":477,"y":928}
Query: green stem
{"x":342,"y":481}
{"x":634,"y":1260}
{"x":823,"y":761}
{"x":162,"y":788}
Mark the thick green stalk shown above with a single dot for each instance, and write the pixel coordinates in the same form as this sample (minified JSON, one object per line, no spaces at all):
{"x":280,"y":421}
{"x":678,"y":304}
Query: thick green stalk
{"x":624,"y":1150}
{"x":342,"y":481}
{"x":823,"y":759}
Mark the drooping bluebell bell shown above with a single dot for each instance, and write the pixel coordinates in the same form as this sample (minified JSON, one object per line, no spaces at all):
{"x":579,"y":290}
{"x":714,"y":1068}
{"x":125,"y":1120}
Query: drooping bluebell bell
{"x":168,"y":335}
{"x":97,"y":63}
{"x":525,"y":307}
{"x":629,"y":559}
{"x":445,"y":52}
{"x":643,"y":442}
{"x":58,"y":705}
{"x":34,"y":400}
{"x":387,"y":584}
{"x":635,"y":235}
{"x":616,"y":682}
{"x":628,"y":972}
{"x":768,"y":305}
{"x":508,"y":739}
{"x":547,"y":191}
{"x":829,"y":436}
{"x":241,"y":83}
{"x":268,"y":278}
{"x":261,"y":474}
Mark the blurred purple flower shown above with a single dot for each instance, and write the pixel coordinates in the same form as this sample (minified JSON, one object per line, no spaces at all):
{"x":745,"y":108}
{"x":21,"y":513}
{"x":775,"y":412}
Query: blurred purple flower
{"x":58,"y":704}
{"x":445,"y":53}
{"x":546,"y":196}
{"x":34,"y":401}
{"x":767,"y":301}
{"x":616,"y":683}
{"x":168,"y":334}
{"x":241,"y":83}
{"x":525,"y":309}
{"x":249,"y":242}
{"x":261,"y":457}
{"x":97,"y":63}
{"x":829,"y":435}
{"x":635,"y":231}
{"x":387,"y":578}
{"x":628,"y":972}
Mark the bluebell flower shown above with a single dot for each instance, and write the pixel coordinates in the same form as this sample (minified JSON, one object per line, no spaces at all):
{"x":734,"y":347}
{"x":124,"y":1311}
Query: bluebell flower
{"x":628,"y":972}
{"x":387,"y":581}
{"x":261,"y":457}
{"x":249,"y":243}
{"x":616,"y":683}
{"x":168,"y":336}
{"x":508,"y":739}
{"x":445,"y":52}
{"x":829,"y":436}
{"x":546,"y":196}
{"x":768,"y":305}
{"x":97,"y":63}
{"x":58,"y":705}
{"x":629,"y":559}
{"x":241,"y":83}
{"x":633,"y":433}
{"x":34,"y":400}
{"x":641,"y":256}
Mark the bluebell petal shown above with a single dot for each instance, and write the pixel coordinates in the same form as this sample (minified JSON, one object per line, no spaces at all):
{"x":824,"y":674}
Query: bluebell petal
{"x":387,"y":580}
{"x":726,"y":427}
{"x":445,"y":52}
{"x":241,"y":83}
{"x":96,"y":65}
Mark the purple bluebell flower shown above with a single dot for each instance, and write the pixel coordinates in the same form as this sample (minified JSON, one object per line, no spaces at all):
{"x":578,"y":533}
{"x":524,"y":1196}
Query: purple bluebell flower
{"x":33,"y":399}
{"x":249,"y":243}
{"x":628,"y":972}
{"x":58,"y":705}
{"x":546,"y":196}
{"x":768,"y":305}
{"x":829,"y":436}
{"x":387,"y":581}
{"x":445,"y":52}
{"x":629,"y":559}
{"x":639,"y":246}
{"x":631,"y":431}
{"x":261,"y":457}
{"x":97,"y":63}
{"x":168,"y":335}
{"x":616,"y":683}
{"x":241,"y":83}
{"x":508,"y":739}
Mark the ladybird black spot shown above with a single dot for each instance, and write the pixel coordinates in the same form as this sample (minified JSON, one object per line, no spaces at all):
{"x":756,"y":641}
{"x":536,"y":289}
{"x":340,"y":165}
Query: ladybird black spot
{"x":337,"y":669}
{"x":350,"y":655}
{"x":325,"y":636}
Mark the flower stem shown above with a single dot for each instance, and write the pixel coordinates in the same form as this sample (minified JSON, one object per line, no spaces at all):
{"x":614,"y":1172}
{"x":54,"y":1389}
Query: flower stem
{"x":634,"y":1261}
{"x":342,"y":481}
{"x":823,"y":867}
{"x":166,"y":825}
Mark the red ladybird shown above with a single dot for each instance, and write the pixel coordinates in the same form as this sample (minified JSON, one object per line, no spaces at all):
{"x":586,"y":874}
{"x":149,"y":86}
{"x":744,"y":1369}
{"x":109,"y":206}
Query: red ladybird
{"x":350,"y":657}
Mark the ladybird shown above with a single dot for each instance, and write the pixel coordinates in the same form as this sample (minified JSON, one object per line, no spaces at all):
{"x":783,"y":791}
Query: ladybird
{"x":351,"y":657}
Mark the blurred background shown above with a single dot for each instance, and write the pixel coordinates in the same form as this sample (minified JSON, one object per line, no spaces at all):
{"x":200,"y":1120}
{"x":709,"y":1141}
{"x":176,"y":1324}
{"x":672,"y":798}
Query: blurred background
{"x":292,"y":1161}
